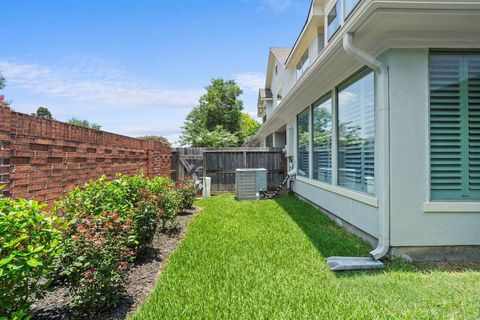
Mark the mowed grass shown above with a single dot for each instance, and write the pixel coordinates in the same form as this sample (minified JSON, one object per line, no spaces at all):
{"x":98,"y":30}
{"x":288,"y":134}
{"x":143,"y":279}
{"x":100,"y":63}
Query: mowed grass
{"x":265,"y":260}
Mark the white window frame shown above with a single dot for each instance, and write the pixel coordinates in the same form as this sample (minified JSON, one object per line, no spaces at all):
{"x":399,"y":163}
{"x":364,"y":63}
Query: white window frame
{"x":301,"y":68}
{"x":363,"y":197}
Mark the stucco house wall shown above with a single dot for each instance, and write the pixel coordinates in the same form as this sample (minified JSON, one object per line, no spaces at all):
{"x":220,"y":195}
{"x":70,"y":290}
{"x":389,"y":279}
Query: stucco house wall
{"x":415,"y":221}
{"x":411,"y":225}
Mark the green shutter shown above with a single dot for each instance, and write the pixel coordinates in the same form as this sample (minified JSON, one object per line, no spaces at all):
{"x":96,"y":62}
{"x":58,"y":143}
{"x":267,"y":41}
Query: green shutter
{"x":474,"y":124}
{"x":454,"y":126}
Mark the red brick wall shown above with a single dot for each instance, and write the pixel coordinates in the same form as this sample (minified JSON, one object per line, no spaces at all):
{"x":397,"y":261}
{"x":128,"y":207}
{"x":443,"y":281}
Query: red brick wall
{"x":43,"y":159}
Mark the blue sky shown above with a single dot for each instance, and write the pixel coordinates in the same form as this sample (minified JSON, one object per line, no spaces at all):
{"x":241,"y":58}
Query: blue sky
{"x":137,"y":67}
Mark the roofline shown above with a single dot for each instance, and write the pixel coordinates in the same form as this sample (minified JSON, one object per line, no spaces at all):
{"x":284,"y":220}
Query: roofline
{"x":270,"y":67}
{"x":301,"y":32}
{"x":278,"y":58}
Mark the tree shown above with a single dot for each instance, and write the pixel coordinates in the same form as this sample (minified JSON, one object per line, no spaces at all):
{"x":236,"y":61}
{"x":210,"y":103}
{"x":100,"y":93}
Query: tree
{"x":43,"y":113}
{"x":216,"y":138}
{"x":84,"y":123}
{"x":216,"y":118}
{"x":162,"y":140}
{"x":3,"y":102}
{"x":2,"y":82}
{"x":249,"y":126}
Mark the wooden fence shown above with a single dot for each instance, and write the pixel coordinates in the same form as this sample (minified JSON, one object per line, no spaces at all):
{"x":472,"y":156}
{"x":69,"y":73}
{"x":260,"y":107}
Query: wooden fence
{"x":220,"y":165}
{"x":187,"y":162}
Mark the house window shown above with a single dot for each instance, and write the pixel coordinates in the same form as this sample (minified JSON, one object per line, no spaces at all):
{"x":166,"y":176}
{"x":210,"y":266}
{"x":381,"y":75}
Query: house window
{"x":455,"y":125}
{"x":322,"y":140}
{"x":303,"y":141}
{"x":333,"y":20}
{"x":348,"y":7}
{"x":276,"y":69}
{"x":356,"y":133}
{"x":303,"y":65}
{"x":269,"y":141}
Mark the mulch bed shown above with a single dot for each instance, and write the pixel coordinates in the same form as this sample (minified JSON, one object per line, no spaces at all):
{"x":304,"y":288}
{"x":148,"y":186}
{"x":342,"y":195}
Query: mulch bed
{"x":141,"y":280}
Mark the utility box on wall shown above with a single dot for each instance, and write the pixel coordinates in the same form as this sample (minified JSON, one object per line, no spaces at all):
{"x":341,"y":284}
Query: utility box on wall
{"x":250,"y":182}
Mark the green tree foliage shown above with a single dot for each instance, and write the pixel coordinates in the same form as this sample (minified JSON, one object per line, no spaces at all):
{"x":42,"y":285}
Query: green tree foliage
{"x":3,"y":102}
{"x":162,"y":140}
{"x":249,"y":125}
{"x":349,"y":134}
{"x":43,"y":113}
{"x":217,"y":138}
{"x":2,"y":82}
{"x":84,"y":123}
{"x":216,"y":120}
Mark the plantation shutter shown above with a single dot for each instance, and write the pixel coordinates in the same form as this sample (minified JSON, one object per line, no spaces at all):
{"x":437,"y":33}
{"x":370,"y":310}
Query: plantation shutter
{"x":455,"y":126}
{"x":474,"y":124}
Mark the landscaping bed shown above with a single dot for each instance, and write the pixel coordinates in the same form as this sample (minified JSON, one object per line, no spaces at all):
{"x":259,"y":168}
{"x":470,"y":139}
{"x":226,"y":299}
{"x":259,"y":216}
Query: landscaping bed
{"x":98,"y":250}
{"x":142,"y":278}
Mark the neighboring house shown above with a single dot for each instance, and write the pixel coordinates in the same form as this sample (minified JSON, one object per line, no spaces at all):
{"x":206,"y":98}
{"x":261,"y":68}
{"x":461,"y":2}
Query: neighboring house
{"x":378,"y":107}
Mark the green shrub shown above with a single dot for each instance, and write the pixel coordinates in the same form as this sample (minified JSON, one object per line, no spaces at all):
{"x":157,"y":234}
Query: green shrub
{"x":130,"y":197}
{"x":146,"y":215}
{"x":96,"y":258}
{"x":160,"y":184}
{"x":168,"y":201}
{"x":30,"y":241}
{"x":109,"y":223}
{"x":186,"y":192}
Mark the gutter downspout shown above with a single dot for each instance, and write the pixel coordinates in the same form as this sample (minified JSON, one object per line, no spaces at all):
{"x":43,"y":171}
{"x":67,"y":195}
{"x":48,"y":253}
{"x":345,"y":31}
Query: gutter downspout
{"x":384,"y":146}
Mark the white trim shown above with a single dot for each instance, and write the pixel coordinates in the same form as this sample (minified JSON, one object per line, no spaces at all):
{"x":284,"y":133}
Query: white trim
{"x":360,"y":197}
{"x":334,"y":100}
{"x":310,"y":142}
{"x":451,"y":207}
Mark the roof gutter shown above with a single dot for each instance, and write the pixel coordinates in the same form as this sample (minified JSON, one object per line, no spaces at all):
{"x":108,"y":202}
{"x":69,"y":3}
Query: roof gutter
{"x":383,"y":134}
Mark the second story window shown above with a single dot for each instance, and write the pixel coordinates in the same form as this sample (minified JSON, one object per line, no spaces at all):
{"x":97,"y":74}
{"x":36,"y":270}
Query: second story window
{"x":348,"y":7}
{"x":333,"y":20}
{"x":302,"y":65}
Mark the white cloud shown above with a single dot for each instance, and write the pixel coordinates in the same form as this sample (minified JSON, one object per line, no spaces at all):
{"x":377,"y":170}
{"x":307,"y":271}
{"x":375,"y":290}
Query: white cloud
{"x":250,"y":81}
{"x":163,"y":130}
{"x":277,"y":5}
{"x":92,"y":80}
{"x":348,"y":97}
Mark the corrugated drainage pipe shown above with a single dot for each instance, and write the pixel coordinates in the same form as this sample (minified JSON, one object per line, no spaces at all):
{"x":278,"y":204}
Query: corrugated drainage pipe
{"x":383,"y":133}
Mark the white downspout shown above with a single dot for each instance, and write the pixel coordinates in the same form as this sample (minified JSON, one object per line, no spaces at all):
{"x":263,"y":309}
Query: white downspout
{"x":383,"y":134}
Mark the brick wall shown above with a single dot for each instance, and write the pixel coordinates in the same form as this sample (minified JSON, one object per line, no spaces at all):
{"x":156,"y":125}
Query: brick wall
{"x":43,"y":159}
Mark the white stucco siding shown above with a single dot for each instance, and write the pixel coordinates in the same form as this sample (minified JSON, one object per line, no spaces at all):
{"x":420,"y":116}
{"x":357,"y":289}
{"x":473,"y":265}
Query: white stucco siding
{"x":409,"y":148}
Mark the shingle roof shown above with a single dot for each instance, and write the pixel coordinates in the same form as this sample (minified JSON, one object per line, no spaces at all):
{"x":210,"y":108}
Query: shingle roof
{"x":281,"y":54}
{"x":265,"y":94}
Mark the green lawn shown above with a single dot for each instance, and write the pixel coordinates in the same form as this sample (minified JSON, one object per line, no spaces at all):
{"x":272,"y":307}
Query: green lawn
{"x":265,"y":260}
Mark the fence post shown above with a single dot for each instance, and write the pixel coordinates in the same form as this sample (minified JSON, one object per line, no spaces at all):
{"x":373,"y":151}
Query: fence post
{"x":5,"y":152}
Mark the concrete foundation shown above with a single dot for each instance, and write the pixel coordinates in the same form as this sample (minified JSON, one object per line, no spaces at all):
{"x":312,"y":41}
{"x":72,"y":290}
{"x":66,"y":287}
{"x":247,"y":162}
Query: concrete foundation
{"x":412,"y":254}
{"x":437,"y":254}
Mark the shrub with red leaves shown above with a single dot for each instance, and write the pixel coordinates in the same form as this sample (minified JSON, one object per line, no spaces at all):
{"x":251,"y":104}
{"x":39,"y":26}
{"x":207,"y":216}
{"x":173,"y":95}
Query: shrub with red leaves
{"x":96,"y":258}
